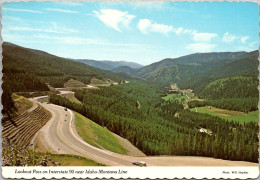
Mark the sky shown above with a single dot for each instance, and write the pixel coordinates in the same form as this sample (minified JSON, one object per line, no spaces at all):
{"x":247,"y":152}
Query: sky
{"x":141,"y":32}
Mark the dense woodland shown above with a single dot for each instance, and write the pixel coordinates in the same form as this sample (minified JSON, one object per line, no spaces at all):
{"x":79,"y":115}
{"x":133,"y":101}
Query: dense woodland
{"x":233,"y":93}
{"x":17,"y":80}
{"x":160,"y":127}
{"x":236,"y":104}
{"x":27,"y":70}
{"x":195,"y":71}
{"x":231,"y":87}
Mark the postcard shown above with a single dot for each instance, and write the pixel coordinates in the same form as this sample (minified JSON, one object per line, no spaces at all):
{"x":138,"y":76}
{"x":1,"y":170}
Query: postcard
{"x":130,"y":89}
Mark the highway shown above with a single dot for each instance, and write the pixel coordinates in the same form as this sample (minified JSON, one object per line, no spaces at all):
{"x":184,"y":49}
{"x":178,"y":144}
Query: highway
{"x":59,"y":136}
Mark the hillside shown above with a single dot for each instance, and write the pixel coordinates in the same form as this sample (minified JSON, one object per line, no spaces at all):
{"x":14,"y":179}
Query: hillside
{"x":192,"y":59}
{"x":160,"y":127}
{"x":125,"y":69}
{"x":232,"y":87}
{"x":49,"y":67}
{"x":21,"y":129}
{"x":109,"y":65}
{"x":29,"y":70}
{"x":96,"y":64}
{"x":123,"y":63}
{"x":245,"y":66}
{"x":199,"y":69}
{"x":74,"y":83}
{"x":102,"y":138}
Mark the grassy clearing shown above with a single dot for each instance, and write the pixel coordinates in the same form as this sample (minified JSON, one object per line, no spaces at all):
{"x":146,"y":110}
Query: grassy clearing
{"x":72,"y":98}
{"x":98,"y":81}
{"x":73,"y":160}
{"x":44,"y":99}
{"x":177,"y":97}
{"x":74,"y":83}
{"x":229,"y":115}
{"x":97,"y":135}
{"x":21,"y":103}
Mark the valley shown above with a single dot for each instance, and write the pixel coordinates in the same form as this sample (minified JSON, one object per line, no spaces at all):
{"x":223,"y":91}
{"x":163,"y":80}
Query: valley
{"x":196,"y":110}
{"x":68,"y":141}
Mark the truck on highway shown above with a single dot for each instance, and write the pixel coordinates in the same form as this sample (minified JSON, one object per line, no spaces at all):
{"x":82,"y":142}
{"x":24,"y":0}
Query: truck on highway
{"x":140,"y":163}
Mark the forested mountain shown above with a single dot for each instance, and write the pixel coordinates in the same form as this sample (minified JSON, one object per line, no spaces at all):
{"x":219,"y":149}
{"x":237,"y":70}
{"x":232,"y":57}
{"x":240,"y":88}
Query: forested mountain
{"x":192,"y":59}
{"x":52,"y":69}
{"x":124,"y":63}
{"x":27,"y":70}
{"x":109,"y":65}
{"x":137,"y":112}
{"x":125,"y":69}
{"x":232,"y":87}
{"x":200,"y":68}
{"x":233,"y":93}
{"x":96,"y":64}
{"x":245,"y":66}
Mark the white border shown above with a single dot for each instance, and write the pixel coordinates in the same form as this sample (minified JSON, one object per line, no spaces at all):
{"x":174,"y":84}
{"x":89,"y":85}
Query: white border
{"x":132,"y":172}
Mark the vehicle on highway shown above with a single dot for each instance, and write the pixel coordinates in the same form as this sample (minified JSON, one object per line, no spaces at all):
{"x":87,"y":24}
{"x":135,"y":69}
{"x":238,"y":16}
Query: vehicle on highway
{"x":140,"y":163}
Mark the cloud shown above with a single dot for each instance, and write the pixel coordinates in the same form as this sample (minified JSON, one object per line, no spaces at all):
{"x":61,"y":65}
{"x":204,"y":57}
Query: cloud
{"x":204,"y":37}
{"x":82,"y":40}
{"x":196,"y":36}
{"x":114,"y":18}
{"x":155,"y":5}
{"x":69,"y":39}
{"x":11,"y":18}
{"x":22,"y":10}
{"x":146,"y":26}
{"x":244,"y":39}
{"x":12,"y":37}
{"x":50,"y":28}
{"x":252,"y":44}
{"x":229,"y":38}
{"x":178,"y":30}
{"x":61,"y":10}
{"x":71,"y":3}
{"x":201,"y":47}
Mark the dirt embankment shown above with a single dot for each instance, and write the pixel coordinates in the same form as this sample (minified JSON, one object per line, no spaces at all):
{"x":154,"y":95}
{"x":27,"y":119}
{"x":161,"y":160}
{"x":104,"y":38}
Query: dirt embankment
{"x":21,"y":129}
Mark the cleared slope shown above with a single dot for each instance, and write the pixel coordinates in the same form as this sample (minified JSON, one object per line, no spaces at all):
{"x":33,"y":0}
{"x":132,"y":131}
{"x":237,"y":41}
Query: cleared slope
{"x":101,"y":137}
{"x":21,"y":129}
{"x":73,"y":160}
{"x":21,"y":103}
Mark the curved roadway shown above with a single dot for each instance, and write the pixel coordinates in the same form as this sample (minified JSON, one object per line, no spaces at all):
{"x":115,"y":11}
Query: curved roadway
{"x":59,"y":136}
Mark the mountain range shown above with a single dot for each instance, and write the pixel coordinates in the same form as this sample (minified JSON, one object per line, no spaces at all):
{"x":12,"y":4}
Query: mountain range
{"x":52,"y":69}
{"x":200,"y":68}
{"x":192,"y":71}
{"x":108,"y":65}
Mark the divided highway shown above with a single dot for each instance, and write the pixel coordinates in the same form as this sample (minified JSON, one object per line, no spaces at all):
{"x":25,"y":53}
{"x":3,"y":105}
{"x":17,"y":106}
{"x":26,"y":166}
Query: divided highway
{"x":59,"y":136}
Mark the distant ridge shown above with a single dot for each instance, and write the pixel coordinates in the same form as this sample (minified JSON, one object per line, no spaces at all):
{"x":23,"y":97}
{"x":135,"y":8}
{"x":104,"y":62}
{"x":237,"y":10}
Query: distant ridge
{"x":50,"y":68}
{"x":200,"y":68}
{"x":125,"y":69}
{"x":108,"y":65}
